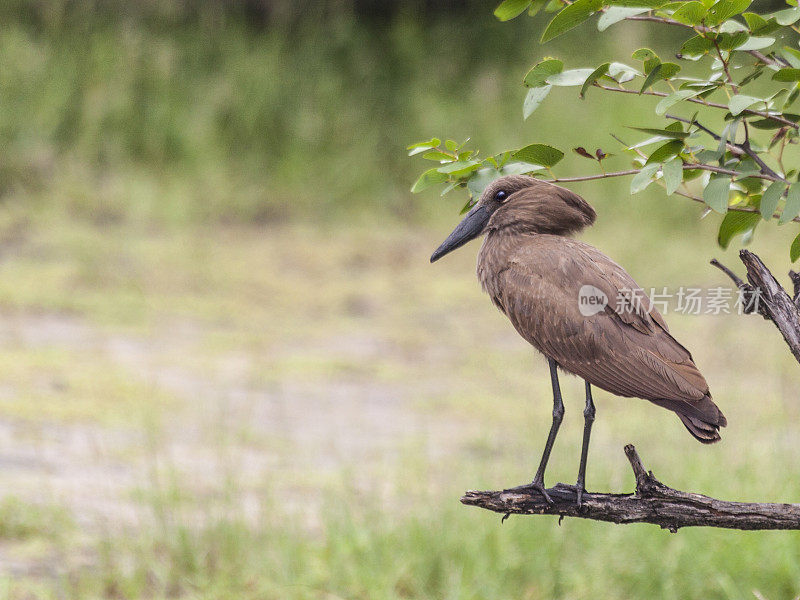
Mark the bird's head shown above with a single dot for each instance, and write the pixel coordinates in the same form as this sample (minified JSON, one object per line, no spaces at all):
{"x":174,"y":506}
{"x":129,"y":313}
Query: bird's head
{"x":520,"y":204}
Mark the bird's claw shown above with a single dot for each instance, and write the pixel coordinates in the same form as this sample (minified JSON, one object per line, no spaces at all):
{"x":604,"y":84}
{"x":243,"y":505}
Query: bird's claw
{"x":539,"y":487}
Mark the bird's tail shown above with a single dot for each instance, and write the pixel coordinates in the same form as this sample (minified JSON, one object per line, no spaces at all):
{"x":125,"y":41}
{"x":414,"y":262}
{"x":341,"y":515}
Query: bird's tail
{"x":701,"y":417}
{"x":703,"y":431}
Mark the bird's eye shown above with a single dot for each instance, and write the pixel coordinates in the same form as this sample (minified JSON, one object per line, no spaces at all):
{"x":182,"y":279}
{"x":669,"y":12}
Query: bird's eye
{"x":500,"y":196}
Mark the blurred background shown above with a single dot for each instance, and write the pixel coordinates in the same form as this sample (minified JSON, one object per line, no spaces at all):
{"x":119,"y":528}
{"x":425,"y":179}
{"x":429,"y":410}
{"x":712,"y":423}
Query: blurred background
{"x":227,"y":369}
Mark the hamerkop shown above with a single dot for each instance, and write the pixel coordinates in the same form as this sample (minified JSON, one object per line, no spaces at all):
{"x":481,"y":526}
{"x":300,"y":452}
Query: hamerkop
{"x":579,"y":308}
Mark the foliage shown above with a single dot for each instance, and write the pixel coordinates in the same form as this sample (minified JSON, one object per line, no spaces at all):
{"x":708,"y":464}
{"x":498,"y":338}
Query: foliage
{"x":739,"y":168}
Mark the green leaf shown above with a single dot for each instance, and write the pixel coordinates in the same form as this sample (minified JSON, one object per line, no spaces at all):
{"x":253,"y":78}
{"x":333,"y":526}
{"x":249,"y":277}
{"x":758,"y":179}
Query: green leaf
{"x":536,"y":6}
{"x":648,"y":141}
{"x":696,"y":46}
{"x":690,"y":13}
{"x":792,"y":56}
{"x":509,"y":9}
{"x":794,"y":251}
{"x":786,"y":75}
{"x":731,"y":41}
{"x":667,"y":133}
{"x":460,"y":168}
{"x":665,"y":103}
{"x":769,"y":201}
{"x":754,"y":21}
{"x":427,"y":179}
{"x":756,"y":43}
{"x":480,"y":179}
{"x":725,"y":9}
{"x":643,"y":178}
{"x":772,"y":123}
{"x":787,"y":16}
{"x":539,"y":154}
{"x":437,"y":155}
{"x":642,"y":3}
{"x":449,"y":188}
{"x":732,"y":26}
{"x":673,"y":174}
{"x":652,"y":77}
{"x":520,"y":168}
{"x":572,"y":16}
{"x":792,"y":208}
{"x":622,"y":72}
{"x":740,"y":102}
{"x":431,"y":143}
{"x":451,"y":145}
{"x":615,"y":14}
{"x":569,"y":78}
{"x":539,"y":73}
{"x":596,"y":74}
{"x":666,"y":152}
{"x":734,"y":223}
{"x":644,"y":54}
{"x":533,"y":99}
{"x":423,"y":146}
{"x":669,"y":70}
{"x":716,"y":194}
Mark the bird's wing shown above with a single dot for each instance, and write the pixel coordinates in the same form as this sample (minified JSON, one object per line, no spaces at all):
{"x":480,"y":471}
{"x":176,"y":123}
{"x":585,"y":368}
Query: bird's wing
{"x":625,"y":348}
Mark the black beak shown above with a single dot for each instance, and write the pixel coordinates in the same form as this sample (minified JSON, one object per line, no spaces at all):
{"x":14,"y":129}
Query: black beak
{"x":470,"y":228}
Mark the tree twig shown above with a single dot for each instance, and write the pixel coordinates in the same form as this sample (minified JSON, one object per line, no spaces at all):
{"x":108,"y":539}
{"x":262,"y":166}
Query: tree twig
{"x":700,"y":166}
{"x":763,"y":294}
{"x":778,"y":62}
{"x":653,"y":502}
{"x":758,"y":113}
{"x":743,"y":148}
{"x":593,"y":177}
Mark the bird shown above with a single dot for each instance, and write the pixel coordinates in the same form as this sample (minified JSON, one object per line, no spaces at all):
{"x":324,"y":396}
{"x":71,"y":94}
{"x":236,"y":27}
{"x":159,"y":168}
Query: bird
{"x":578,"y":308}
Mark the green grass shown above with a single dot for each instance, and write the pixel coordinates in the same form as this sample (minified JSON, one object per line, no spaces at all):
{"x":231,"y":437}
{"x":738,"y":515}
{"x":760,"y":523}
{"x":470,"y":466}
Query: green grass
{"x":418,"y":341}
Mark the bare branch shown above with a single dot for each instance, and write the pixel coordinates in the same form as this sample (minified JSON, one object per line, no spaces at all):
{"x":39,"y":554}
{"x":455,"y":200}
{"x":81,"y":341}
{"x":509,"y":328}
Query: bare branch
{"x":758,"y":113}
{"x":653,"y":502}
{"x":763,"y":294}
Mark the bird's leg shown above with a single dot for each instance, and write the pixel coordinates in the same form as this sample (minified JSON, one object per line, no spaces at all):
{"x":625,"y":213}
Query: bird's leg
{"x":588,"y":419}
{"x":558,"y":415}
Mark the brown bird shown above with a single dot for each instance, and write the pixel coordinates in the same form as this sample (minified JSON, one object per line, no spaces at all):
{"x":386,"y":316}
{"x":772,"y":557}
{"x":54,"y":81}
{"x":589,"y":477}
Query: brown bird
{"x":579,"y":308}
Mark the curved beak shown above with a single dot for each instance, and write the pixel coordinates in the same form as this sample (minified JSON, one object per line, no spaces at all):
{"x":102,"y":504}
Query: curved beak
{"x":470,"y":228}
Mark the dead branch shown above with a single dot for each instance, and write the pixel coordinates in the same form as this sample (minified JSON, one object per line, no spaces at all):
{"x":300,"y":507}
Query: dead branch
{"x":653,"y":502}
{"x":763,"y":294}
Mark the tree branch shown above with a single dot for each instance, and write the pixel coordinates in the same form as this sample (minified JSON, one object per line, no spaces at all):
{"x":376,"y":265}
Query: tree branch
{"x":763,"y":294}
{"x":593,"y":177}
{"x":758,"y":113}
{"x":744,"y":147}
{"x":678,"y":192}
{"x":653,"y":502}
{"x":778,"y":62}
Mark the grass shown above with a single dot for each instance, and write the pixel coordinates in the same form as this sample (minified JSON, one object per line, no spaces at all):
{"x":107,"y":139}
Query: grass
{"x":228,"y":369}
{"x":391,"y":406}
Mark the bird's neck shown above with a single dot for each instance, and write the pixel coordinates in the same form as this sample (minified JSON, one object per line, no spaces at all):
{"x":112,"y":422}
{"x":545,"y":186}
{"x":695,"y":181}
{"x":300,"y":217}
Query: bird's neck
{"x":497,"y":246}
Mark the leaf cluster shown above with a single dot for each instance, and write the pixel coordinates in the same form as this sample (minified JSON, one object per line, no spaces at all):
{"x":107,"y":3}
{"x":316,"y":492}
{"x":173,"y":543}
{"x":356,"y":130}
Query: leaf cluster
{"x":738,"y":171}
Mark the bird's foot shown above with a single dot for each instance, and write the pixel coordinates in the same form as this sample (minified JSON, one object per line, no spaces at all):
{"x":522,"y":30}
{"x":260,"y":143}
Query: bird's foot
{"x":538,"y":485}
{"x":579,"y":490}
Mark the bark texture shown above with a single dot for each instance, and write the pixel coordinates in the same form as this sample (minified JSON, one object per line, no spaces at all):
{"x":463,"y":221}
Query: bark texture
{"x":764,"y":295}
{"x":653,"y":502}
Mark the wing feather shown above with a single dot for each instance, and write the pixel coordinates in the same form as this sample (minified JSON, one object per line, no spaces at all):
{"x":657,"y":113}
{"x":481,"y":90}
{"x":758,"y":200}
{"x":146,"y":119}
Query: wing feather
{"x":625,"y":348}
